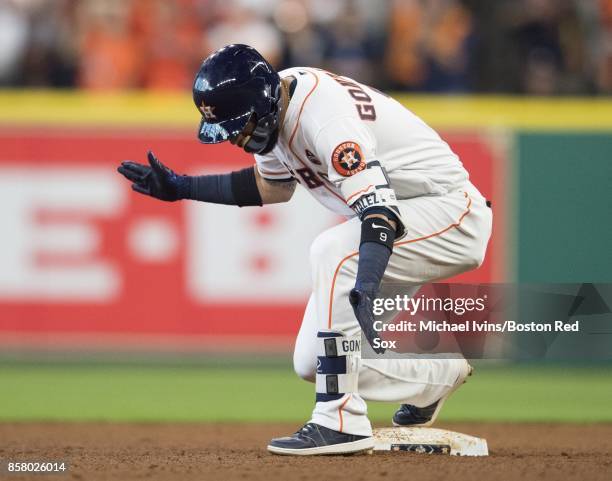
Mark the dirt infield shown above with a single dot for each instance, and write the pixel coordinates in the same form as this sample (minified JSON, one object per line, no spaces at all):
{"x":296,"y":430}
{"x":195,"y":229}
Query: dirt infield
{"x":97,"y":451}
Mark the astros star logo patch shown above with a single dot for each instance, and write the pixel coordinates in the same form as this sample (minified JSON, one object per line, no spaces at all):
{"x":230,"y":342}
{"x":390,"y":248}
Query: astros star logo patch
{"x":207,"y":111}
{"x":348,"y":159}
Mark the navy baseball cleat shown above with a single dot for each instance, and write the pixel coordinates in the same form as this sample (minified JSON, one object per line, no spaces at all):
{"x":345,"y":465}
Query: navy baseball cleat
{"x":409,"y":415}
{"x":316,"y":439}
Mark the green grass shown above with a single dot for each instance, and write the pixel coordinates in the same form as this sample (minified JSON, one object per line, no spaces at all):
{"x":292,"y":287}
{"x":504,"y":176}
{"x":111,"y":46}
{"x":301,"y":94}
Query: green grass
{"x":273,"y":393}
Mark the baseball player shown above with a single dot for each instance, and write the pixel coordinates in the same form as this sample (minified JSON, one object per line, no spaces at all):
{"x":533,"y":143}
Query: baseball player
{"x":413,"y":217}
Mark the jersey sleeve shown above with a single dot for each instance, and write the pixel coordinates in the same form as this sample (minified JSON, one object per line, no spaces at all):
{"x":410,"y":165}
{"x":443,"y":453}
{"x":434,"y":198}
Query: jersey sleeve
{"x":271,"y":168}
{"x":350,"y":149}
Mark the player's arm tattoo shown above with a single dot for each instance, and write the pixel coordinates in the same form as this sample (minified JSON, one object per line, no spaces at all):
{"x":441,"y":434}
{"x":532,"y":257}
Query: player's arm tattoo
{"x":274,"y":192}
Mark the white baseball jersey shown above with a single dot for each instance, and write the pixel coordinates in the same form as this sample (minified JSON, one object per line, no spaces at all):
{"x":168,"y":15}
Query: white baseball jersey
{"x":354,"y":147}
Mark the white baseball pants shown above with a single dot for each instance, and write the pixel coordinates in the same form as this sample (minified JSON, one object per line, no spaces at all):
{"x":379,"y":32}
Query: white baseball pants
{"x":445,"y":236}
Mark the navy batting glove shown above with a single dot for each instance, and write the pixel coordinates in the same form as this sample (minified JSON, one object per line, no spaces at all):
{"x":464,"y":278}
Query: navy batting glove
{"x":362,"y":300}
{"x":156,"y":180}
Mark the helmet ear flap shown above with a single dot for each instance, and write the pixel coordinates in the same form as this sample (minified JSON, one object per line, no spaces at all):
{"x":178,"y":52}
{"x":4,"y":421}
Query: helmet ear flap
{"x":265,"y":134}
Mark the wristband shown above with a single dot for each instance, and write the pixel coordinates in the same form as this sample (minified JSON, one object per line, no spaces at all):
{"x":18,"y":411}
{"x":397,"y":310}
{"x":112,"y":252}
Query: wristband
{"x":389,"y":213}
{"x":375,"y":229}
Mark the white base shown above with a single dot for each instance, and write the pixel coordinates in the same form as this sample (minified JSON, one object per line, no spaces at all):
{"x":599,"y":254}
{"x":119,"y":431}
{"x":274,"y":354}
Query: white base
{"x":429,"y":440}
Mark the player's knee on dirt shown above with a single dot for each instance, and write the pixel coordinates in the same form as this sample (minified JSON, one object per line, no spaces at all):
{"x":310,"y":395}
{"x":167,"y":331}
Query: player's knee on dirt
{"x":337,"y":365}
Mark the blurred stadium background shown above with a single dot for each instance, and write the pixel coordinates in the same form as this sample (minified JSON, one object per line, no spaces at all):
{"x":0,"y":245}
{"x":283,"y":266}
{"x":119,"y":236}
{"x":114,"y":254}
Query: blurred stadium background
{"x":118,"y":307}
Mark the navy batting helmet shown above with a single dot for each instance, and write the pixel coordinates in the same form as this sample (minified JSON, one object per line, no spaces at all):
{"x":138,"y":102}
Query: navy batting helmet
{"x":236,"y":84}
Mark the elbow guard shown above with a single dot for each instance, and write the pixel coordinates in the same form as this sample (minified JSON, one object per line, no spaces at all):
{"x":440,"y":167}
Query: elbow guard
{"x":370,"y":191}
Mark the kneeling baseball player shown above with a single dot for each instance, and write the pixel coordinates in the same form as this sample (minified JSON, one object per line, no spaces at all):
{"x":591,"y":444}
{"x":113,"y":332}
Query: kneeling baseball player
{"x":413,"y":217}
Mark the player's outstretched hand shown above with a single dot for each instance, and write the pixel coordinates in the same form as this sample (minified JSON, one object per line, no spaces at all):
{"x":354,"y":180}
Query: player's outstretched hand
{"x":362,"y":301}
{"x":155,"y":179}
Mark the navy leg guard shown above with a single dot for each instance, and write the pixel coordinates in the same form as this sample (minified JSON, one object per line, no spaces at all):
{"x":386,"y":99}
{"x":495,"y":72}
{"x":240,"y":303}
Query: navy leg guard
{"x":337,"y":365}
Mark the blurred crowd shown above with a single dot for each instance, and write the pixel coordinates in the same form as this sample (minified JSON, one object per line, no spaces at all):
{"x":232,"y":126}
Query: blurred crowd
{"x":540,"y":47}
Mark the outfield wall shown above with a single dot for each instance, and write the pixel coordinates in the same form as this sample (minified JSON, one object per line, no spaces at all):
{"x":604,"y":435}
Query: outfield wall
{"x":84,"y":262}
